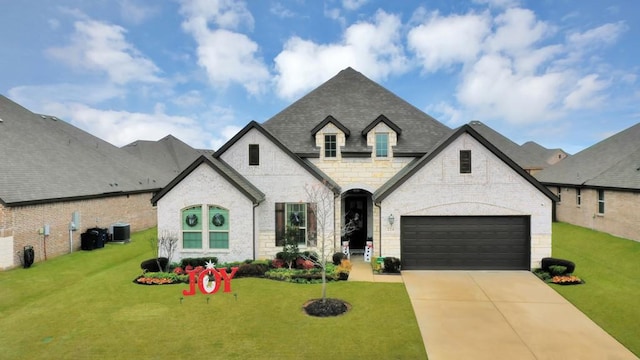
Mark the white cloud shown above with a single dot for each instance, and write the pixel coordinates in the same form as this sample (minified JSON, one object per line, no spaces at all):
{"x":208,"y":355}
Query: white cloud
{"x":280,"y":11}
{"x":353,"y":4}
{"x":498,"y":3}
{"x":223,"y":136}
{"x":188,"y":99}
{"x":491,"y":88}
{"x":602,"y":35}
{"x":371,"y":47}
{"x":32,"y":96}
{"x":123,"y":127}
{"x":226,"y":14}
{"x":585,"y":94}
{"x":102,"y":47}
{"x":136,"y":12}
{"x":516,"y":31}
{"x":440,"y":42}
{"x":227,"y":56}
{"x":448,"y":114}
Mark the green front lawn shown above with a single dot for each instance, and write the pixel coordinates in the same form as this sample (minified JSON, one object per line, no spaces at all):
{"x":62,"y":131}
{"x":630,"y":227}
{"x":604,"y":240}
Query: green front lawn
{"x":85,"y":305}
{"x":610,"y":267}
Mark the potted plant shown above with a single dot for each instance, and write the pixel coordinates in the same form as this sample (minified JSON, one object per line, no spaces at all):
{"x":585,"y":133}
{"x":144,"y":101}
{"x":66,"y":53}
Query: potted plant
{"x":343,"y":269}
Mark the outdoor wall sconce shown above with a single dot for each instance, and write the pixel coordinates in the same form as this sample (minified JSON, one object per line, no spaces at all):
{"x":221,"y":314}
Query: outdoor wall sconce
{"x":391,"y":219}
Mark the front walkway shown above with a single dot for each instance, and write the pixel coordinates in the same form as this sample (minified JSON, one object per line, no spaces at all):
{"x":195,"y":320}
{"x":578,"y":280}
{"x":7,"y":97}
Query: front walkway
{"x":361,"y":271}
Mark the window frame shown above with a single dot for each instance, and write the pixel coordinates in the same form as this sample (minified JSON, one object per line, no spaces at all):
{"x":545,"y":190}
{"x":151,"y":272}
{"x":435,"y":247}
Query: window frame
{"x":578,"y":197}
{"x":382,"y":152}
{"x":222,"y":229}
{"x":291,"y":208}
{"x":191,"y":229}
{"x":559,"y":194}
{"x":330,"y":146}
{"x":465,"y":161}
{"x":601,"y":202}
{"x":254,"y":154}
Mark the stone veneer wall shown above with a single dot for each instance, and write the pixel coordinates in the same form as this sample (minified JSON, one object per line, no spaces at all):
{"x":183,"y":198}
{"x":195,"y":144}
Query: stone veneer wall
{"x":21,"y":225}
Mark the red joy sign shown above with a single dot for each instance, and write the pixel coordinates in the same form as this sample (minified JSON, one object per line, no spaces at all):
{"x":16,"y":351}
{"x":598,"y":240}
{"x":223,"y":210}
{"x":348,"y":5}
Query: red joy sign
{"x":209,"y":281}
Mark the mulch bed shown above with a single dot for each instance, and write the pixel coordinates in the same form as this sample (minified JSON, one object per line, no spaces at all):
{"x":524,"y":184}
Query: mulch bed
{"x":328,"y":307}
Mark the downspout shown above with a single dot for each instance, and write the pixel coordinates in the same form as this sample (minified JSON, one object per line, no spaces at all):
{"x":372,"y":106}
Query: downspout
{"x":254,"y":231}
{"x":379,"y":228}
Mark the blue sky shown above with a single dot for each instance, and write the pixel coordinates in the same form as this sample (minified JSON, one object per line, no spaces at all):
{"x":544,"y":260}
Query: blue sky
{"x":563,"y":73}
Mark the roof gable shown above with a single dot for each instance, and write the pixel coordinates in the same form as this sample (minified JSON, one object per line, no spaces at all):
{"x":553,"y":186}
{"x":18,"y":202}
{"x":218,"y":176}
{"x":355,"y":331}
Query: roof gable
{"x":413,"y":167}
{"x":332,"y":120}
{"x":228,"y":173}
{"x":355,"y":100}
{"x":312,"y":169}
{"x":381,"y":119}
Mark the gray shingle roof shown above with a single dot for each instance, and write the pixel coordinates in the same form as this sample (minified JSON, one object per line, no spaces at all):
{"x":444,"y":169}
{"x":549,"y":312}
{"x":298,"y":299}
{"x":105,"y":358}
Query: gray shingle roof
{"x":522,"y":157}
{"x":542,"y":155}
{"x":355,"y":101}
{"x":43,"y":159}
{"x":169,"y":153}
{"x":611,"y":163}
{"x":230,"y":174}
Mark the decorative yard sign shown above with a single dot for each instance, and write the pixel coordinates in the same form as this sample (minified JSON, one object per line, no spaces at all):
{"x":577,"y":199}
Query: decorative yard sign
{"x":209,"y":280}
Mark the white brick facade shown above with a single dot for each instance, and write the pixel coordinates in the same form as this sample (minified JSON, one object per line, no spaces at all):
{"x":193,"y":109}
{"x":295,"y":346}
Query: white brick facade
{"x":492,"y":188}
{"x":204,"y":186}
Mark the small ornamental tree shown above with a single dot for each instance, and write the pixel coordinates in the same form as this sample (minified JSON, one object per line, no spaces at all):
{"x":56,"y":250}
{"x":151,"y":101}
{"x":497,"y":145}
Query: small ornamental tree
{"x":321,"y":201}
{"x":290,"y":251}
{"x":164,"y":245}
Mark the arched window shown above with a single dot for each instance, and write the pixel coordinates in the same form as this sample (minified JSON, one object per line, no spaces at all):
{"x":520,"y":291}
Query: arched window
{"x":192,"y":227}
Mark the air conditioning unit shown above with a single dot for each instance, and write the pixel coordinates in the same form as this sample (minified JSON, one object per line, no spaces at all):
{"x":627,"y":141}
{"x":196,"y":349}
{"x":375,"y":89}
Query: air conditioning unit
{"x":120,"y":233}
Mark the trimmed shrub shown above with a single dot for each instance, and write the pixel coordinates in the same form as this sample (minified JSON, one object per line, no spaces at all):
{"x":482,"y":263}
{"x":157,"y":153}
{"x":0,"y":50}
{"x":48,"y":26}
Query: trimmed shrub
{"x":337,"y":258}
{"x":391,"y":264}
{"x":151,"y":265}
{"x":549,"y":261}
{"x":195,"y":262}
{"x":557,"y":269}
{"x":253,"y":269}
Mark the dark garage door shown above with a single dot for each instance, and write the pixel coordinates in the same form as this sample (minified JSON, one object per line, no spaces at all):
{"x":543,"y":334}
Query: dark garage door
{"x":465,"y":242}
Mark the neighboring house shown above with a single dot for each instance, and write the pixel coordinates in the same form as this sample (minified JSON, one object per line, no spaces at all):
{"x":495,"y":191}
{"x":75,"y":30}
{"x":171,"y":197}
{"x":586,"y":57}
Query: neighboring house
{"x":599,"y":187}
{"x":435,"y":197}
{"x":531,"y":156}
{"x":53,"y":174}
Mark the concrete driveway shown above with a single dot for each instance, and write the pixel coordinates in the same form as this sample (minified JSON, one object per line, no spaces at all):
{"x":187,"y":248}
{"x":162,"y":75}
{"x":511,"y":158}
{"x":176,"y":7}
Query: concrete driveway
{"x":502,"y":315}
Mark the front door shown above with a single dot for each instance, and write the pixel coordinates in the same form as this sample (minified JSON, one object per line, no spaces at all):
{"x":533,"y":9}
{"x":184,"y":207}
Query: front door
{"x":355,"y":222}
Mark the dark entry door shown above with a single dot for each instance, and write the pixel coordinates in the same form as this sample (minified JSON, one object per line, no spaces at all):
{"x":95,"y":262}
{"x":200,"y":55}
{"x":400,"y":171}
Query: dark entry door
{"x":355,"y":213}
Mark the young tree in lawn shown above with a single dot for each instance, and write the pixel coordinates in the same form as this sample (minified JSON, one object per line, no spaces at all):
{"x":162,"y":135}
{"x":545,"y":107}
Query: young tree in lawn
{"x":164,"y":245}
{"x":321,"y":203}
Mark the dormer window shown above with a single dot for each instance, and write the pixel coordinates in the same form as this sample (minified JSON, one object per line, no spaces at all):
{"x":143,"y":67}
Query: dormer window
{"x":330,"y":149}
{"x":382,"y":145}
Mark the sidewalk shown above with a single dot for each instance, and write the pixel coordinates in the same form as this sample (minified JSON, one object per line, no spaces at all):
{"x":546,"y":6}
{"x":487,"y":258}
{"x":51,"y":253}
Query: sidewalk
{"x":361,"y":271}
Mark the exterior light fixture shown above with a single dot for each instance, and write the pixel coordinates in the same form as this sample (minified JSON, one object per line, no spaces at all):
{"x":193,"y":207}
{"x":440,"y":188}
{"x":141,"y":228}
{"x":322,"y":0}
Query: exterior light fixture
{"x":391,"y":219}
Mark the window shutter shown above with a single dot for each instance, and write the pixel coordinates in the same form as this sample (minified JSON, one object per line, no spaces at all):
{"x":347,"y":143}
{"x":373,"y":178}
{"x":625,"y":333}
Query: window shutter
{"x":312,"y":227}
{"x":280,"y":225}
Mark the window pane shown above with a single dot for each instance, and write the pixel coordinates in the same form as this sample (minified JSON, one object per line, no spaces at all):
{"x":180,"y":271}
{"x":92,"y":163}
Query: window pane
{"x":330,"y":146}
{"x":600,"y":201}
{"x":465,"y":161}
{"x":297,"y":217}
{"x":192,"y":218}
{"x":218,"y":218}
{"x":219,"y":240}
{"x":382,"y":145}
{"x":192,"y":240}
{"x":254,"y":154}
